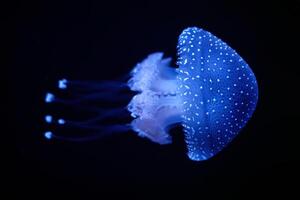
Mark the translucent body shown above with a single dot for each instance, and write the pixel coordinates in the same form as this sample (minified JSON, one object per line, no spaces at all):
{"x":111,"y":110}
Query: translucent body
{"x":213,"y":93}
{"x":157,"y":106}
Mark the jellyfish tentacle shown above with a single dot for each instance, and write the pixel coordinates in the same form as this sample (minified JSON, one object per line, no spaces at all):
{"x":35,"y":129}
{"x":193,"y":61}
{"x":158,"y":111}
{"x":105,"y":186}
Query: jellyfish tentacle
{"x":98,"y":133}
{"x":89,"y":92}
{"x":88,"y":86}
{"x":96,"y":106}
{"x":95,"y":97}
{"x":111,"y":113}
{"x":96,"y":127}
{"x":82,"y":106}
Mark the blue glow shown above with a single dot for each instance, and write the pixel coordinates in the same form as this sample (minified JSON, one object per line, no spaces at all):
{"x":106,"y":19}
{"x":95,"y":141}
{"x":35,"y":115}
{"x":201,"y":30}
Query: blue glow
{"x":61,"y":121}
{"x":62,"y":84}
{"x":49,"y":97}
{"x":48,"y":135}
{"x":212,"y":94}
{"x":219,"y":89}
{"x":48,"y":118}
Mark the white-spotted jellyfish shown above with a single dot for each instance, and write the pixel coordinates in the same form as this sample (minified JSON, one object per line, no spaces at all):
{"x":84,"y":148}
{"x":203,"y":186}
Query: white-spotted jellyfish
{"x":212,"y":94}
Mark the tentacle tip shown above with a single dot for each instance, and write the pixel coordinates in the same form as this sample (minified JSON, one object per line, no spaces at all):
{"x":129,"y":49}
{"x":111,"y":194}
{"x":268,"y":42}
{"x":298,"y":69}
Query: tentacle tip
{"x":62,"y":84}
{"x":49,"y":97}
{"x":61,"y":121}
{"x":48,"y":135}
{"x":48,"y":118}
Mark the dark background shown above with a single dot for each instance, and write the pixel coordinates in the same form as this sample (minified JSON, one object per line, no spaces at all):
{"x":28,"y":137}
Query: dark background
{"x":97,"y":40}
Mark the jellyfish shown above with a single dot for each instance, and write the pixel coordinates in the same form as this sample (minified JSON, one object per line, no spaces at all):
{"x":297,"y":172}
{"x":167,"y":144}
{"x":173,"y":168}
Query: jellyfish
{"x":212,"y":93}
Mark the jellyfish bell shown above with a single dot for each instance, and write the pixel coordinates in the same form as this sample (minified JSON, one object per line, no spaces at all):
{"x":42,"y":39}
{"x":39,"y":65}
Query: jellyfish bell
{"x":220,"y":90}
{"x":212,"y":94}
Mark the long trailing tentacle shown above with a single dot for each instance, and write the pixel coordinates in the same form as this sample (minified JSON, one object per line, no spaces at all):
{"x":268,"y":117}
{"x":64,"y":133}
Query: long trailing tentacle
{"x":80,"y":97}
{"x":97,"y":133}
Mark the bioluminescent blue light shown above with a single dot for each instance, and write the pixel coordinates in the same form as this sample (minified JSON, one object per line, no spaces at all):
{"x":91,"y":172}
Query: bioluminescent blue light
{"x":61,"y":121}
{"x":212,"y":94}
{"x":48,"y":118}
{"x":62,"y":84}
{"x":218,"y":90}
{"x":49,"y":97}
{"x":48,"y":134}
